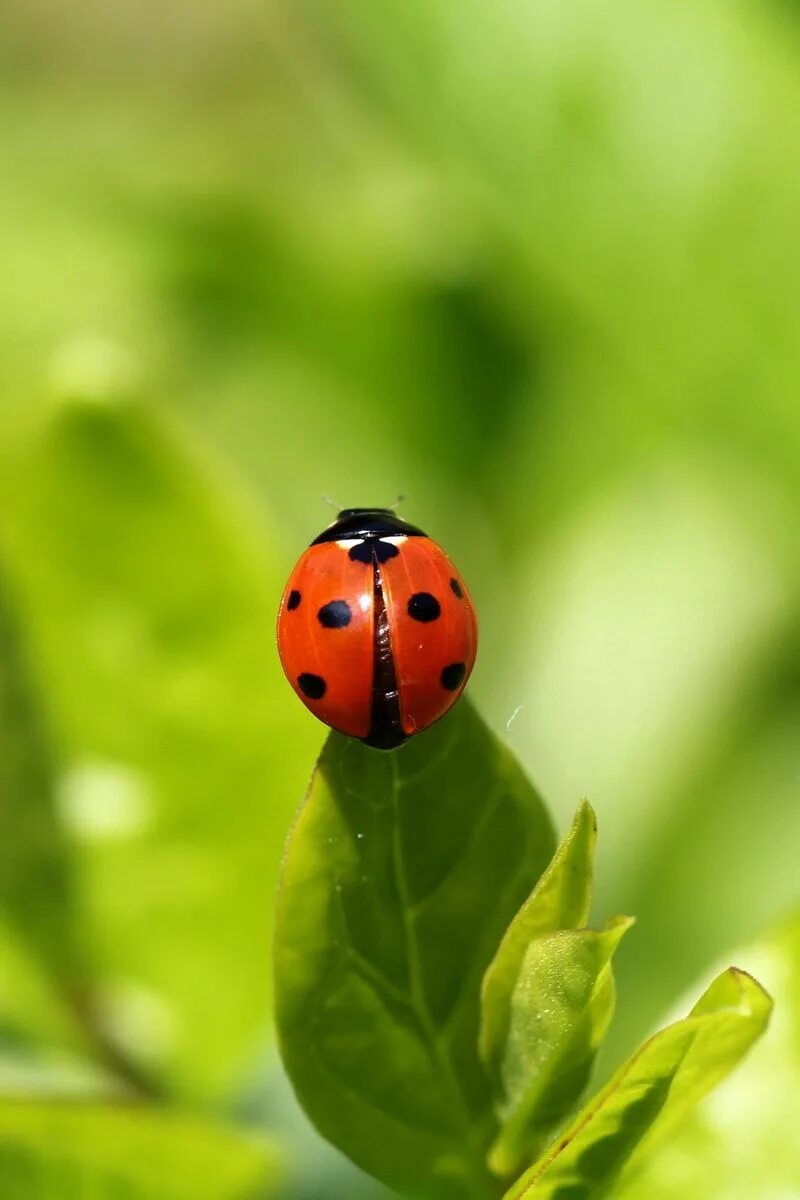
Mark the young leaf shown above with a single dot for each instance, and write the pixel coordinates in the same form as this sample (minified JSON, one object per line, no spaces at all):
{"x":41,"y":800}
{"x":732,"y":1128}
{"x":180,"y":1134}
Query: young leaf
{"x":400,"y":876}
{"x":71,"y":1152}
{"x":741,"y":1140}
{"x":668,"y":1075}
{"x":560,"y":900}
{"x":560,"y":1010}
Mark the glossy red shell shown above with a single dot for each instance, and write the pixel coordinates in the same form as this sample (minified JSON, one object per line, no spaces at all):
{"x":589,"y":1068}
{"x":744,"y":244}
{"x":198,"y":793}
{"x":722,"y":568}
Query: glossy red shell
{"x":339,"y":614}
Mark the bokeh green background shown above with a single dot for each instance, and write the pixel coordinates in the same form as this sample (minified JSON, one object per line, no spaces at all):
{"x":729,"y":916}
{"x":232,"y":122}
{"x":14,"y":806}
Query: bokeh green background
{"x":533,"y":264}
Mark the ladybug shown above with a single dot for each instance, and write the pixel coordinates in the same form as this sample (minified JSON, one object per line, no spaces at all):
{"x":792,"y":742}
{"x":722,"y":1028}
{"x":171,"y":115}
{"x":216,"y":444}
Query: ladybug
{"x":376,"y":630}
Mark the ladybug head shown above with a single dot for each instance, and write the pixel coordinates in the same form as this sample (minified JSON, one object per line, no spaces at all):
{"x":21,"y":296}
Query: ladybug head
{"x":367,"y":523}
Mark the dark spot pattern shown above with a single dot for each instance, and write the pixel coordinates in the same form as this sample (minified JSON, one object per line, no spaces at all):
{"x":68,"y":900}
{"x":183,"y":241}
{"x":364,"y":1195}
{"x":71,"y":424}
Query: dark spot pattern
{"x":373,"y":547}
{"x":424,"y":607}
{"x":313,"y":686}
{"x":294,"y":600}
{"x":453,"y":676}
{"x":361,"y":552}
{"x":457,"y":589}
{"x":335,"y":614}
{"x":385,"y":550}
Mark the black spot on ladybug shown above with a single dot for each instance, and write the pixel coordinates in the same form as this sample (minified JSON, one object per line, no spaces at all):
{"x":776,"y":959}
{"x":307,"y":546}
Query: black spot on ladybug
{"x":385,"y":550}
{"x":335,"y":614}
{"x":373,"y":548}
{"x":423,"y":607}
{"x":313,"y":686}
{"x":453,"y":675}
{"x":457,"y":588}
{"x":294,"y":599}
{"x":361,"y":552}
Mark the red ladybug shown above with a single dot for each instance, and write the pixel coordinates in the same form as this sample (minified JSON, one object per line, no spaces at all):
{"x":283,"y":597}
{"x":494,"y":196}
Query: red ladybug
{"x":376,"y":630}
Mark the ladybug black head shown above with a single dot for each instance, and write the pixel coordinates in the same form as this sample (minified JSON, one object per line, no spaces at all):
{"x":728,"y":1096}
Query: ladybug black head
{"x":367,"y":523}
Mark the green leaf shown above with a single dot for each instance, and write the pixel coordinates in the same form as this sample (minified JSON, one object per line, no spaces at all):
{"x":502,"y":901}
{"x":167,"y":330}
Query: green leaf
{"x":149,"y":599}
{"x":561,"y":1006}
{"x":741,"y":1141}
{"x":665,"y":1078}
{"x":70,"y":1152}
{"x":560,"y":900}
{"x":401,"y":874}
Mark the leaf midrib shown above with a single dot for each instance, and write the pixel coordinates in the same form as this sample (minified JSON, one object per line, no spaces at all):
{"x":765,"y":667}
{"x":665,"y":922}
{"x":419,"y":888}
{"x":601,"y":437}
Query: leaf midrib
{"x":473,"y":1140}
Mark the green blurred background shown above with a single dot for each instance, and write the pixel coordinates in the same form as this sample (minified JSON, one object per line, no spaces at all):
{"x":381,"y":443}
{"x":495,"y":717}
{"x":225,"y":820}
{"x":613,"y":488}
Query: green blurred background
{"x":534,"y":264}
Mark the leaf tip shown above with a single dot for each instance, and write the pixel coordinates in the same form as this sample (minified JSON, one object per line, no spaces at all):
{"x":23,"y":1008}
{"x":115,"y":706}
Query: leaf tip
{"x":620,"y":925}
{"x":754,"y":996}
{"x":586,"y":816}
{"x":736,"y":991}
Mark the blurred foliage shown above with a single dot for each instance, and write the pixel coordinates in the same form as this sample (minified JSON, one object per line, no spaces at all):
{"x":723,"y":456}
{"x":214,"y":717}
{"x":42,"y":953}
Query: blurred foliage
{"x":124,"y":1154}
{"x":533,"y":265}
{"x":147,"y":606}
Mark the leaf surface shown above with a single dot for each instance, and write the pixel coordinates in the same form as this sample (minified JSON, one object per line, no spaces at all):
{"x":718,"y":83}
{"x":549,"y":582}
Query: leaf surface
{"x":560,"y":900}
{"x":401,"y":874}
{"x":561,"y":1006}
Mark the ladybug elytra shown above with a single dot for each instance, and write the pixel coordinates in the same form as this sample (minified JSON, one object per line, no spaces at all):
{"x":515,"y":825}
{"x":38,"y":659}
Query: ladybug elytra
{"x":376,"y":630}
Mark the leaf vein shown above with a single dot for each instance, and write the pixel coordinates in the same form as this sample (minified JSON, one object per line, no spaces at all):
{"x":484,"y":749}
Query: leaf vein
{"x":432,"y":1035}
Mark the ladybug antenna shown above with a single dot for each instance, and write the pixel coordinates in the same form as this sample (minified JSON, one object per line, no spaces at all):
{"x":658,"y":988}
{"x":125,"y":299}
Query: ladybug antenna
{"x":328,"y":500}
{"x":400,"y":499}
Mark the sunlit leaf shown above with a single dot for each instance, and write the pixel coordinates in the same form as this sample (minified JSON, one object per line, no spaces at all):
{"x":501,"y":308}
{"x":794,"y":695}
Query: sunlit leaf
{"x":656,"y":1087}
{"x":73,"y":1152}
{"x":742,"y":1139}
{"x":401,"y":874}
{"x":561,"y":1006}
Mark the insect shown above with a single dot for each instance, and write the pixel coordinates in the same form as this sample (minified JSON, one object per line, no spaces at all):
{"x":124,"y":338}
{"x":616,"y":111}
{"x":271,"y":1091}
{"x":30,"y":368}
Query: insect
{"x":376,"y":629}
